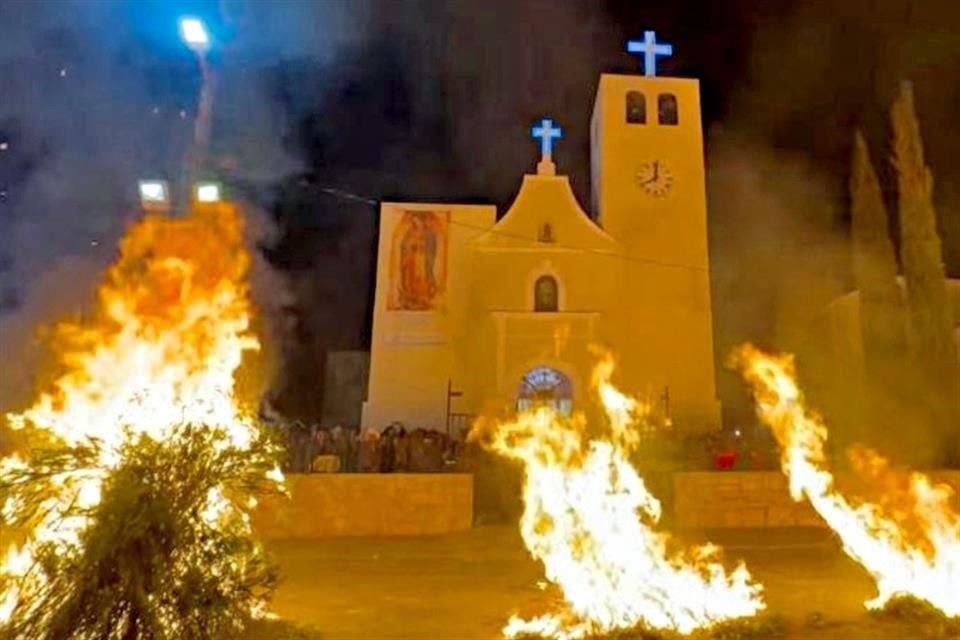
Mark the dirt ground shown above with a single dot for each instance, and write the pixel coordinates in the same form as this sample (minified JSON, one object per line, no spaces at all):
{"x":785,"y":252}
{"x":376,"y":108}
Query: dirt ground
{"x":467,"y":585}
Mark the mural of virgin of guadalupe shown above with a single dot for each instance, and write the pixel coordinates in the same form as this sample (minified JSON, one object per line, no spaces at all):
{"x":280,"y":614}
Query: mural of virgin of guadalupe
{"x":419,"y":273}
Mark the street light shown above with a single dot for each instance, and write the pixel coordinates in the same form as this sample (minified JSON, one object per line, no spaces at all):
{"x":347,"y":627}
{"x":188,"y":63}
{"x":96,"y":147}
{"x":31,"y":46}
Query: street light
{"x":154,"y":195}
{"x":197,"y":38}
{"x":207,"y":192}
{"x":194,"y":34}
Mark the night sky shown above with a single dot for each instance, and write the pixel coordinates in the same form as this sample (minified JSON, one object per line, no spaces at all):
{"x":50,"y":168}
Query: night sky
{"x":430,"y":100}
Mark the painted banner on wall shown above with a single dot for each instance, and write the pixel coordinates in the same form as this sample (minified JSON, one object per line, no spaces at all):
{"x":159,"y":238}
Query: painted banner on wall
{"x":418,"y":261}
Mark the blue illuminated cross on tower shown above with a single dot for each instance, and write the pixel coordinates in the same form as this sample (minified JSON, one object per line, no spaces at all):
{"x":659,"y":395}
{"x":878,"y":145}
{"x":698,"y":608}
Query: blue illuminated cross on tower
{"x":547,"y":134}
{"x":650,"y":50}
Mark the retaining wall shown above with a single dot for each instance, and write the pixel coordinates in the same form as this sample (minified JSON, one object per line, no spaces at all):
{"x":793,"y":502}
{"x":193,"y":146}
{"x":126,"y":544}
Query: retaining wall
{"x":395,"y":504}
{"x":717,"y":499}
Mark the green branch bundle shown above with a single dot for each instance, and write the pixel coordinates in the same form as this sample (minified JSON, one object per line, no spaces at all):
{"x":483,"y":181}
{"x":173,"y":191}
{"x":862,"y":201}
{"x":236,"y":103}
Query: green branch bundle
{"x":167,"y":554}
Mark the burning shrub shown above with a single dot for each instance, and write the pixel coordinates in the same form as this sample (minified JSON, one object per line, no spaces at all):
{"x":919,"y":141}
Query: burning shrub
{"x":908,"y":539}
{"x":165,"y":551}
{"x":919,"y":619}
{"x":142,"y":461}
{"x":590,"y":519}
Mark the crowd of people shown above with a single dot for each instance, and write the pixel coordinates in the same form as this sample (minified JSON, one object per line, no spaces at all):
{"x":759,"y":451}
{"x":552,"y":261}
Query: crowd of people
{"x":397,"y":449}
{"x":316,"y":449}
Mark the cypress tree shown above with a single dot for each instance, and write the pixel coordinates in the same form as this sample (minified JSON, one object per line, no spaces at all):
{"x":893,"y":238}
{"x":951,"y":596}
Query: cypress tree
{"x":930,"y":318}
{"x":882,"y":321}
{"x":875,"y":265}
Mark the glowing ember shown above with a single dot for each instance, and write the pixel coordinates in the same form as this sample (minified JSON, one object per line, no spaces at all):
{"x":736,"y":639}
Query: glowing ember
{"x":589,"y":518}
{"x":160,"y":352}
{"x":908,"y":540}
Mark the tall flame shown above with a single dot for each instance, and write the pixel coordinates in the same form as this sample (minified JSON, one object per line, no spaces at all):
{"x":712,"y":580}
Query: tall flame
{"x":909,"y":540}
{"x":161,"y":350}
{"x":589,"y":518}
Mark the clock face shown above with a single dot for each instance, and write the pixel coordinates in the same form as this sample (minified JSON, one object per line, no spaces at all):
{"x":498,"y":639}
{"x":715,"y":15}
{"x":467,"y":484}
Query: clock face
{"x":655,"y":178}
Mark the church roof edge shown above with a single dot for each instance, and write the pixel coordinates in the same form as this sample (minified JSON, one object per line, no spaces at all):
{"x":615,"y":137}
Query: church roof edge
{"x":523,"y":206}
{"x":648,"y":79}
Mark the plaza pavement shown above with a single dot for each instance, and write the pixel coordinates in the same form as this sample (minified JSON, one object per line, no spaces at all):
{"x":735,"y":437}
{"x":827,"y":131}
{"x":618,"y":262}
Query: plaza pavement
{"x":464,"y":586}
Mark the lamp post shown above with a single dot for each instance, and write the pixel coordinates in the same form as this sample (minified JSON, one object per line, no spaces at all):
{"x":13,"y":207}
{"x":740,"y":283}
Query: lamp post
{"x":195,"y":35}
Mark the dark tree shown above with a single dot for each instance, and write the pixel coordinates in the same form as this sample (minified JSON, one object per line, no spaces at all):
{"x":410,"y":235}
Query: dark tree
{"x":882,"y":320}
{"x":930,"y":318}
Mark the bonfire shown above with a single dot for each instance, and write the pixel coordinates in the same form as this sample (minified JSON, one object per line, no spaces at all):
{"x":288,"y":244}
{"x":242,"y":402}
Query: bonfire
{"x":909,"y":540}
{"x":131,"y":498}
{"x":590,"y":519}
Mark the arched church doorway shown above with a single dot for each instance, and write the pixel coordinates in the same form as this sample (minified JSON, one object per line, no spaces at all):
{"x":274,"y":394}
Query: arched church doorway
{"x":545,"y":386}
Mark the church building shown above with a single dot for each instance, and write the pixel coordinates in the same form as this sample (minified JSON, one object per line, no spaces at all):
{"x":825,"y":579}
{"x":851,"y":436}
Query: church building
{"x":475,"y":314}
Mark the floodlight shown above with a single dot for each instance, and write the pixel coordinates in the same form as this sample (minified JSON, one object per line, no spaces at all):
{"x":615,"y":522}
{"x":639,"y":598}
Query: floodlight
{"x":207,"y":192}
{"x":194,"y":33}
{"x":154,"y":193}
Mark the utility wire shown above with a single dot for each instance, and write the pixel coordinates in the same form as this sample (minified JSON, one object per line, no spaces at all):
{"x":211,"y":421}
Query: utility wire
{"x":347,"y":195}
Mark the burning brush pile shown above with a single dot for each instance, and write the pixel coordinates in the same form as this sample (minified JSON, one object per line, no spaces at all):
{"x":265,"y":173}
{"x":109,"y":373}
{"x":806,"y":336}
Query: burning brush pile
{"x":130,"y":498}
{"x":589,"y":518}
{"x":906,"y":536}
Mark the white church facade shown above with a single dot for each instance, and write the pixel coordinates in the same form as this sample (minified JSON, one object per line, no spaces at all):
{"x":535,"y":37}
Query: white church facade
{"x":477,"y":313}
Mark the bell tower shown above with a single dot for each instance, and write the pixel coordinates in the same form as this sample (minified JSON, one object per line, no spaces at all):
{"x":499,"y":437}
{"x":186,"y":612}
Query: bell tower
{"x":649,"y":193}
{"x":647,"y":164}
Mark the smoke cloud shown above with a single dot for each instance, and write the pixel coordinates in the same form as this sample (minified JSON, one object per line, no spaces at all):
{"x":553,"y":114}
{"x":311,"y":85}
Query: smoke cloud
{"x":779,"y":205}
{"x":91,"y":103}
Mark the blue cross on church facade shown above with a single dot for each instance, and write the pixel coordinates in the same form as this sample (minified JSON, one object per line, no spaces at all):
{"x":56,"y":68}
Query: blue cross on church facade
{"x":547,"y":134}
{"x":650,"y":49}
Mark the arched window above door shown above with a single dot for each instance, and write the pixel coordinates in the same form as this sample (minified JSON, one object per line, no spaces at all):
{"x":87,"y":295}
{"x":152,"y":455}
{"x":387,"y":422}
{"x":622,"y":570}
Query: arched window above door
{"x":546,"y":294}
